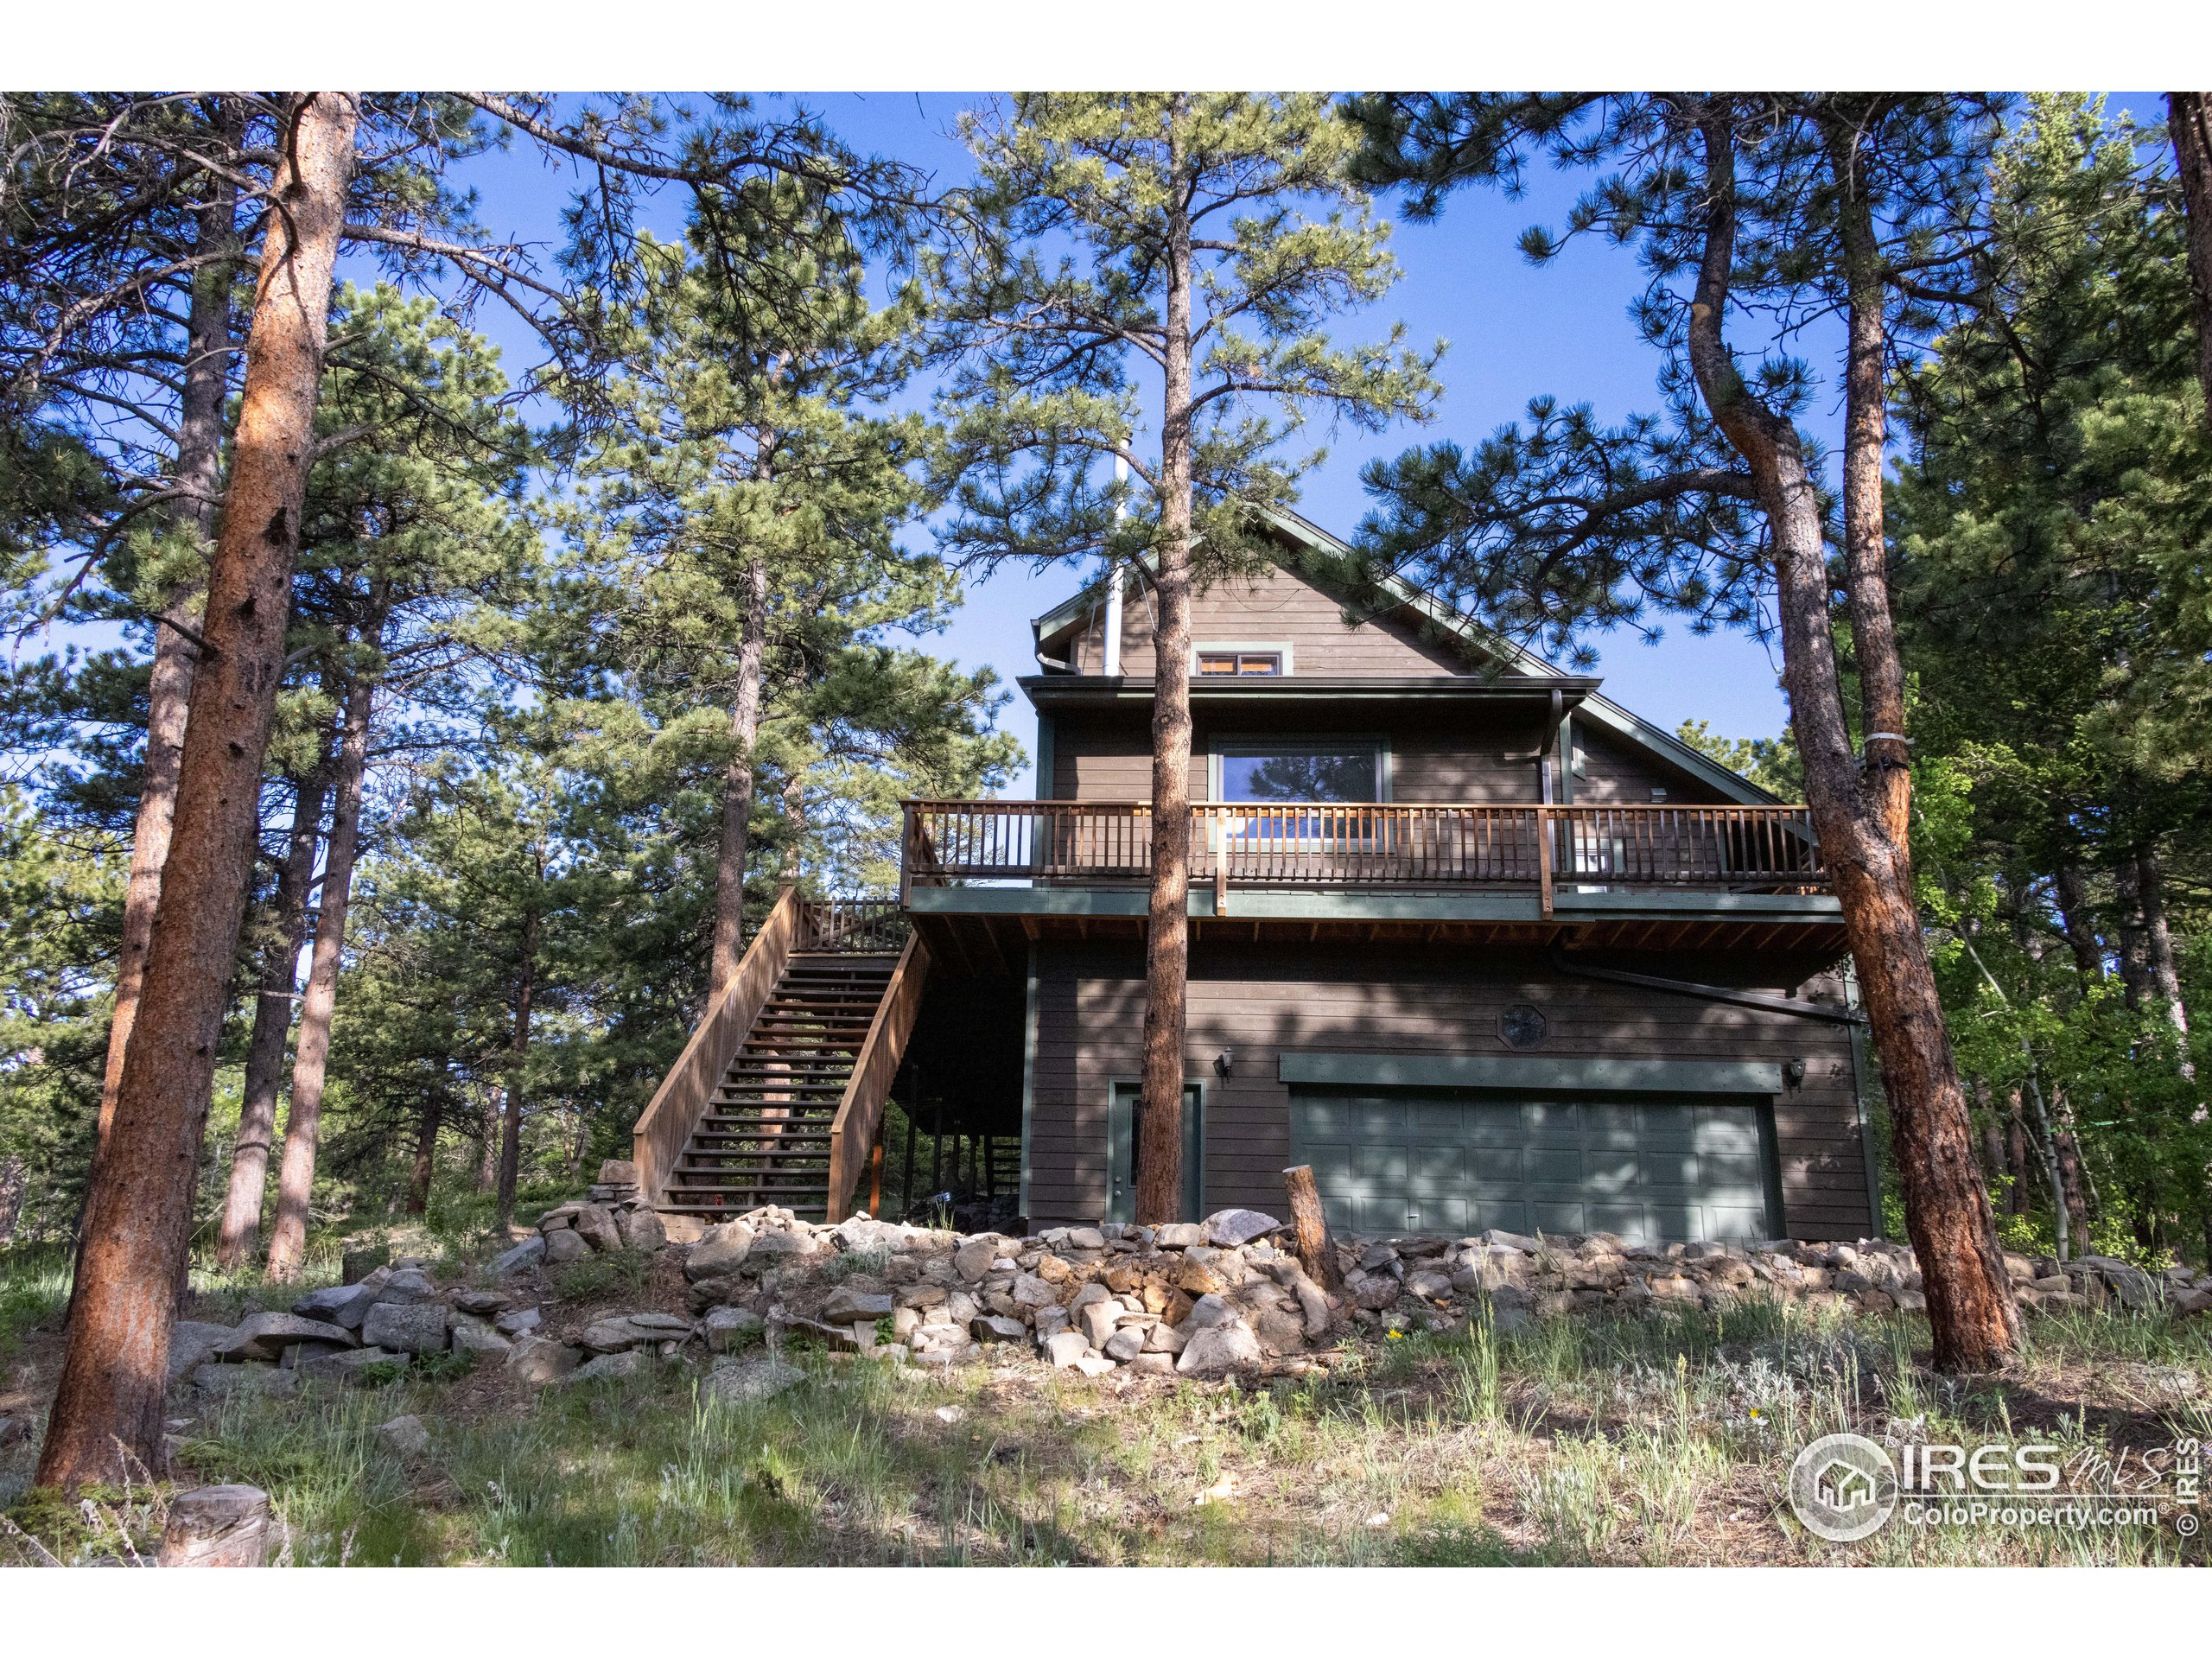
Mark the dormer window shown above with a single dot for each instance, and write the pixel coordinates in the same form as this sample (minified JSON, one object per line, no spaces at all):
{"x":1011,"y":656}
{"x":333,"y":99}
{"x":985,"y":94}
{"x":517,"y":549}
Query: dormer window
{"x":1239,"y":660}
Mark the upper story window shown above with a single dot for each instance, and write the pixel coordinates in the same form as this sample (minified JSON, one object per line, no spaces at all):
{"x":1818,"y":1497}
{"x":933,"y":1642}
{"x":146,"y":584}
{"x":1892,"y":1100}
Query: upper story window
{"x":1304,"y":772}
{"x":1215,"y":664}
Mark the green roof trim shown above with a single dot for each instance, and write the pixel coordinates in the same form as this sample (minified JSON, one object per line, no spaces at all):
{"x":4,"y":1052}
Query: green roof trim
{"x":1264,"y":903}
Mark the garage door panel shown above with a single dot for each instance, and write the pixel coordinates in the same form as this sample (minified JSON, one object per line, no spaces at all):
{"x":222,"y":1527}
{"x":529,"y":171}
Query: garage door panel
{"x":1650,"y":1170}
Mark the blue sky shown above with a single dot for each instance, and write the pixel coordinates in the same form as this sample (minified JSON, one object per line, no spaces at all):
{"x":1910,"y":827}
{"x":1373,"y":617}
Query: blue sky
{"x":1514,"y":331}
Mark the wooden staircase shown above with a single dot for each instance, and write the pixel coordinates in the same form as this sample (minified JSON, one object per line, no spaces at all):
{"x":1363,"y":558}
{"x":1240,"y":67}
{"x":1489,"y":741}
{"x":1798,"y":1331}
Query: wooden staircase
{"x":778,"y":1096}
{"x":765,"y":1136}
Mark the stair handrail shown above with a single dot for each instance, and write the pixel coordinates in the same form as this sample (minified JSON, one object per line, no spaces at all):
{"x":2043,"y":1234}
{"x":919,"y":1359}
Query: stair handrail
{"x":669,"y":1118}
{"x":860,"y":1109}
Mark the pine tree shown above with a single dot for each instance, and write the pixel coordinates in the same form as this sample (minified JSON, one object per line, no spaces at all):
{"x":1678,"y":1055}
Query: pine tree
{"x":1202,"y":240}
{"x":1743,"y":205}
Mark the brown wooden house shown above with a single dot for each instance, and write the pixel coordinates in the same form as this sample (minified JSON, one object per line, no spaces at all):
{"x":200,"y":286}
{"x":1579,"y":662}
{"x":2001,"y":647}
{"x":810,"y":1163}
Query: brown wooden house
{"x":1482,"y":947}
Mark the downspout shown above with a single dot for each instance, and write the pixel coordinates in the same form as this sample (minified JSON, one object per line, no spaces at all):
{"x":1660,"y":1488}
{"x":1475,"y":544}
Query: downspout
{"x":1791,"y":1006}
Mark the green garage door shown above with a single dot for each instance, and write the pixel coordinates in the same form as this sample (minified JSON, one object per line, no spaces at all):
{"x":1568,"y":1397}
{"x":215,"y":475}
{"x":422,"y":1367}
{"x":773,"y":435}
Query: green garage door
{"x":1652,"y":1169}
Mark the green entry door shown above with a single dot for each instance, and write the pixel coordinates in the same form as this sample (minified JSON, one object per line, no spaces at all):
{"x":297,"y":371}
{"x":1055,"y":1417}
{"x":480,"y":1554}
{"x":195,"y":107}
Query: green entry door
{"x":1652,"y":1169}
{"x":1122,"y":1154}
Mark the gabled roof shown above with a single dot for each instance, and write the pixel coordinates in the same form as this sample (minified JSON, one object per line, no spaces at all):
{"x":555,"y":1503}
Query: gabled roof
{"x":1479,"y":642}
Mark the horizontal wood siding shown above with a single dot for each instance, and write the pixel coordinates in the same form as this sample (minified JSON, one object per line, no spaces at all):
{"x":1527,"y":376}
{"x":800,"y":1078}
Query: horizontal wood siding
{"x":1274,"y":605}
{"x":1258,"y":1003}
{"x":1615,"y":775}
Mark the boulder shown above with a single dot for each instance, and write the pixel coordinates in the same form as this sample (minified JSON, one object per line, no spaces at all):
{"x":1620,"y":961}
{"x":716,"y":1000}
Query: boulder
{"x":351,"y":1365}
{"x":1179,"y":1235}
{"x":1098,"y":1321}
{"x":404,"y":1435}
{"x":474,"y":1337}
{"x":407,"y":1284}
{"x":1125,"y":1343}
{"x":518,"y":1322}
{"x":754,"y":1379}
{"x":1086,"y":1238}
{"x":732,"y":1328}
{"x":408,"y":1327}
{"x":608,"y":1367}
{"x":1153,"y":1364}
{"x":1164,"y":1339}
{"x":1214,"y":1349}
{"x":866,"y":1233}
{"x":997,"y":1328}
{"x":565,"y":1244}
{"x":1372,"y":1291}
{"x":266,"y":1336}
{"x":521,"y":1259}
{"x":846,"y":1305}
{"x":1230,"y":1228}
{"x":484,"y":1304}
{"x":1094,"y":1365}
{"x":193,"y":1343}
{"x":640,"y":1231}
{"x":254,"y":1378}
{"x":973,"y":1259}
{"x":1031,"y":1291}
{"x":538,"y":1360}
{"x":344,"y":1305}
{"x":595,"y":1224}
{"x":780,"y":1242}
{"x":1208,"y":1312}
{"x":302,"y":1353}
{"x":1065,"y":1348}
{"x":619,"y":1332}
{"x":1051,"y":1321}
{"x":618,"y":1172}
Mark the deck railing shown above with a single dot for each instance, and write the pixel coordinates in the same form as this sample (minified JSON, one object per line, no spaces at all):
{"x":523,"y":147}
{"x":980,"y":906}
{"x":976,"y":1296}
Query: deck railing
{"x":876,"y":927}
{"x":1435,"y":847}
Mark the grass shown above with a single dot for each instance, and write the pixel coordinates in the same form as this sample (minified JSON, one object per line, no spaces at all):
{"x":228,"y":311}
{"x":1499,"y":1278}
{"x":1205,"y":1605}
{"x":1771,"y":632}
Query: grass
{"x":1660,"y":1440}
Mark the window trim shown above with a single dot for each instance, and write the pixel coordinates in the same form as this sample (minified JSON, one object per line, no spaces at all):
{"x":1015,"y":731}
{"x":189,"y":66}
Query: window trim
{"x":1280,"y":648}
{"x":1219,"y":745}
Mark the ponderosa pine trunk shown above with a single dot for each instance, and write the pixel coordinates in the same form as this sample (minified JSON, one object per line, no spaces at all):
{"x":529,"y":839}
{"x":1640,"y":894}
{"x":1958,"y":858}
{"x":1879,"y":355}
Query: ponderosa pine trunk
{"x":1167,"y":933}
{"x":1947,"y":1214}
{"x":427,"y":1125}
{"x":108,"y":1407}
{"x":2134,"y":952}
{"x":15,"y":1176}
{"x":2073,"y":889}
{"x":287,"y":1239}
{"x":2190,"y":122}
{"x":272,"y":1025}
{"x":1886,"y":761}
{"x":2163,"y":971}
{"x":203,"y":386}
{"x":518,"y":1053}
{"x":488,"y":1147}
{"x":738,"y":787}
{"x":2016,"y":1153}
{"x":794,"y":825}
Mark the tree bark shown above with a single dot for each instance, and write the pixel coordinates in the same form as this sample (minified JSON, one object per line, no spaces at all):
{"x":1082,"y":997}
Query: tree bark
{"x":2190,"y":122}
{"x":2163,"y":973}
{"x":518,"y":1051}
{"x":311,"y":1064}
{"x":1948,"y":1212}
{"x":787,"y":871}
{"x":272,"y":1025}
{"x":14,"y":1175}
{"x":738,"y":787}
{"x":1315,"y":1250}
{"x":426,"y":1153}
{"x":1886,"y":761}
{"x":205,"y":380}
{"x":108,"y":1407}
{"x":2016,"y":1153}
{"x":1168,"y":935}
{"x":2134,"y":952}
{"x":487,"y":1158}
{"x":2074,"y":917}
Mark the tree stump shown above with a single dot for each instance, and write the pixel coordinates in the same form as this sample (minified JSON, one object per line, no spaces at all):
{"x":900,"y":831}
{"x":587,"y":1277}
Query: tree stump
{"x":217,"y":1526}
{"x":1316,"y":1250}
